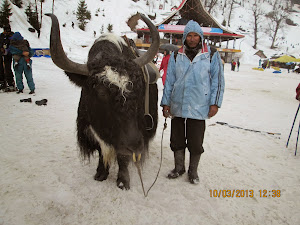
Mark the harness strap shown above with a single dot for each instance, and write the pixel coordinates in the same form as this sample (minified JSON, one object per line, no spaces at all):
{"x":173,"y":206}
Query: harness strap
{"x":147,"y":115}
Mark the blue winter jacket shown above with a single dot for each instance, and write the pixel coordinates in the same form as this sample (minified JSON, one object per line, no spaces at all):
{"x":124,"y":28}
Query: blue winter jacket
{"x":15,"y":51}
{"x":192,"y":87}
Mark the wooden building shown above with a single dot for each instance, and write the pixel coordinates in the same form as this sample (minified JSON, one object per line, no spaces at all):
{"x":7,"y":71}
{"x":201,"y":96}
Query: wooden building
{"x":172,"y":27}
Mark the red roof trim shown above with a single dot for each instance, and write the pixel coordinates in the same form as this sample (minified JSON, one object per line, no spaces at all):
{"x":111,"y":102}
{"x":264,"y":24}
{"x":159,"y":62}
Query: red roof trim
{"x":205,"y":33}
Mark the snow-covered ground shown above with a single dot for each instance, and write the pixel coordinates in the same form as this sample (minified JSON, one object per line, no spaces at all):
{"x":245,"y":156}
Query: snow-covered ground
{"x":43,"y":180}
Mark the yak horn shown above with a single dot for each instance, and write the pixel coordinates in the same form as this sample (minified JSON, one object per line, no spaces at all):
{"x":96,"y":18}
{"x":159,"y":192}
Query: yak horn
{"x":152,"y":51}
{"x":57,"y":52}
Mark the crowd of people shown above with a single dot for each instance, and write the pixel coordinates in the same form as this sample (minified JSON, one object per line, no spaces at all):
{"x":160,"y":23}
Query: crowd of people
{"x":16,"y":51}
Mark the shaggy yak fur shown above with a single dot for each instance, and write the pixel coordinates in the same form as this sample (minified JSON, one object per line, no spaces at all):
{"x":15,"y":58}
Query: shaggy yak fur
{"x":112,"y":107}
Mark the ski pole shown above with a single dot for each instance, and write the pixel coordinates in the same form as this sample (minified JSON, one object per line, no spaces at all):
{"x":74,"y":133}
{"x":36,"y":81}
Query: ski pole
{"x":292,"y":126}
{"x":297,"y":140}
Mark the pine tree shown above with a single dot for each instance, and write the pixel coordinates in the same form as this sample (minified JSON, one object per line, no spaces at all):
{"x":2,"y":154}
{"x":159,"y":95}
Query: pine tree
{"x":109,"y":28}
{"x":18,"y":3}
{"x":32,"y":17}
{"x":5,"y":13}
{"x":82,"y":14}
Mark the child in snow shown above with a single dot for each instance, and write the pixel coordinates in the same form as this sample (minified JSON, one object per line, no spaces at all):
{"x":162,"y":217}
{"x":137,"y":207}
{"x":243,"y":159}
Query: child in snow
{"x":18,"y":42}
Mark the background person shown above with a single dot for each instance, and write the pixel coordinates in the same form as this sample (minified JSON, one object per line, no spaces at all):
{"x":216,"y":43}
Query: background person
{"x":164,"y":65}
{"x":21,"y":44}
{"x":238,"y":65}
{"x":298,"y":92}
{"x":6,"y":74}
{"x":22,"y":65}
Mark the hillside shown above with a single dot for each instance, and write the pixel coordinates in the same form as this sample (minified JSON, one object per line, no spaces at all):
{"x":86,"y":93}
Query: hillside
{"x":116,"y":13}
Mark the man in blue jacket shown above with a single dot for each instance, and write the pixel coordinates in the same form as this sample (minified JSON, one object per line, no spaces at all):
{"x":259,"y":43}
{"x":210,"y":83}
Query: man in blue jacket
{"x":193,"y":92}
{"x":22,"y":65}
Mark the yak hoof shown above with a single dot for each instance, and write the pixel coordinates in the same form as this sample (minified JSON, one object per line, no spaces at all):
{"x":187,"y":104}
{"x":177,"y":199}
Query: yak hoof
{"x":100,"y":176}
{"x":123,"y":185}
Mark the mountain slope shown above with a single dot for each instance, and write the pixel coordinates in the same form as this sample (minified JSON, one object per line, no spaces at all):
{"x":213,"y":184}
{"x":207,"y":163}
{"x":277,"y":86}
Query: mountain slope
{"x":116,"y":13}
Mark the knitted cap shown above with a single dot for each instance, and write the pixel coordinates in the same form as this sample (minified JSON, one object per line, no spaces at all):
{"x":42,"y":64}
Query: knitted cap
{"x":17,"y":37}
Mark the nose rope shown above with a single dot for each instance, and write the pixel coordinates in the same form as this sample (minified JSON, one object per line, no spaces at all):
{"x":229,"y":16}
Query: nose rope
{"x":138,"y":166}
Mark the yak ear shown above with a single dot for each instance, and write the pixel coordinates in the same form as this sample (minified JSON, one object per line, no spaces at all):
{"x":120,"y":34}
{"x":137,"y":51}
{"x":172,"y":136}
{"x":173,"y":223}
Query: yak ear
{"x":77,"y":79}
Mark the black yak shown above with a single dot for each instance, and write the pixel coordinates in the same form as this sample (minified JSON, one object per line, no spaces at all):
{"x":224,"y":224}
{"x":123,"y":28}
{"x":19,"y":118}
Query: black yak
{"x":111,"y":112}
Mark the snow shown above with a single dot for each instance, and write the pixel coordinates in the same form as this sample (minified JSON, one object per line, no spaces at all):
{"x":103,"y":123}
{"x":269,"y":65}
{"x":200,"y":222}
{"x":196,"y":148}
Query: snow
{"x":43,"y":180}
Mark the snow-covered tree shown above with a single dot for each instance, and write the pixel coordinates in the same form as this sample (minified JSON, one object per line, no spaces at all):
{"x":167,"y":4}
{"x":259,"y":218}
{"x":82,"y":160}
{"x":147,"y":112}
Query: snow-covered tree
{"x":276,"y":18}
{"x":257,"y":13}
{"x":5,"y":13}
{"x":32,"y":17}
{"x":82,"y":14}
{"x":18,"y":3}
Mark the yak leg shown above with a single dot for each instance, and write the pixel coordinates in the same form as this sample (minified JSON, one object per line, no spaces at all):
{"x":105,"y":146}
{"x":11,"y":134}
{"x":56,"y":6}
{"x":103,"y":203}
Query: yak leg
{"x":123,"y":175}
{"x":102,"y":171}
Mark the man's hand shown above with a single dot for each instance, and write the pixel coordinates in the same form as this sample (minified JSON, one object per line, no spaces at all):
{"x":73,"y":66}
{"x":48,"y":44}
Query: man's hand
{"x":166,"y":111}
{"x":213,"y":109}
{"x":26,"y":53}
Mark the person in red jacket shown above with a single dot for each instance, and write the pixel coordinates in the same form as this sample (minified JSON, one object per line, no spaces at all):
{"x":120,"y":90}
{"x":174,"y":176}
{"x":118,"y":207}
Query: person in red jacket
{"x":298,"y":92}
{"x":164,"y":65}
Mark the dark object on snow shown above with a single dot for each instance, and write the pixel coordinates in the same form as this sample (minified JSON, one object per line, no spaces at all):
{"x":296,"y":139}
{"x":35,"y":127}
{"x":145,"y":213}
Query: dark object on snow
{"x":256,"y":131}
{"x":297,"y":70}
{"x":10,"y":89}
{"x":112,"y":109}
{"x":41,"y":102}
{"x":31,"y":29}
{"x":26,"y":100}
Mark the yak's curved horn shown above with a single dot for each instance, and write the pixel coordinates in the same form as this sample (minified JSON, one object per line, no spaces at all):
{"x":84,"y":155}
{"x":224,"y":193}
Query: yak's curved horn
{"x":57,"y":52}
{"x":152,"y":51}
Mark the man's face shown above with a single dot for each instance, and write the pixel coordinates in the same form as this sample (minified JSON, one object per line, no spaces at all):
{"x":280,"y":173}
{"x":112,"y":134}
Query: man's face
{"x":192,"y":39}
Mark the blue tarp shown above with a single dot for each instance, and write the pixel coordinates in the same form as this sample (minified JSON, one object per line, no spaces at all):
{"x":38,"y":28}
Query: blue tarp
{"x":39,"y":52}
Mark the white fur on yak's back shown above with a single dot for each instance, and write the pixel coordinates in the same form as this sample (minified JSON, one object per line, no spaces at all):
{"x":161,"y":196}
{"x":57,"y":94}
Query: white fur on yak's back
{"x":117,"y":40}
{"x":108,"y":152}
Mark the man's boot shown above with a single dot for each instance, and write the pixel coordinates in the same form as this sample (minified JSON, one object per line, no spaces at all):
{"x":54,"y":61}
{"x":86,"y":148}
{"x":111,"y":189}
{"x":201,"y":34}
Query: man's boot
{"x":192,"y":173}
{"x":179,"y":157}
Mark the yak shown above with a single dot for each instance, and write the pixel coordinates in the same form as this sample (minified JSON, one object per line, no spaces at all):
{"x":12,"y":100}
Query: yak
{"x":114,"y":109}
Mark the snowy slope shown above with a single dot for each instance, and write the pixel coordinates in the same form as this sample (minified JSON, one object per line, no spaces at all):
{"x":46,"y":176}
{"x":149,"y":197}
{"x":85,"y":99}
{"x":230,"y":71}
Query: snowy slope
{"x":117,"y":13}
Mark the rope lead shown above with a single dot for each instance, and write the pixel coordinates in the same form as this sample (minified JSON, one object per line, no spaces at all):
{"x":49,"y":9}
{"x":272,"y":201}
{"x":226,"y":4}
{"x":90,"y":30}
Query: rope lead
{"x":138,"y":166}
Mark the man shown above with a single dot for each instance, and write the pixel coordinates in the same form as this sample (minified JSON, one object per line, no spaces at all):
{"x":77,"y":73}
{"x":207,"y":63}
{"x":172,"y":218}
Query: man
{"x":22,"y":52}
{"x":6,"y":74}
{"x":193,"y":92}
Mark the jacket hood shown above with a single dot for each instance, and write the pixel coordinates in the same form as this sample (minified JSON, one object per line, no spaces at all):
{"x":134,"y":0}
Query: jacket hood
{"x":17,"y":37}
{"x":192,"y":26}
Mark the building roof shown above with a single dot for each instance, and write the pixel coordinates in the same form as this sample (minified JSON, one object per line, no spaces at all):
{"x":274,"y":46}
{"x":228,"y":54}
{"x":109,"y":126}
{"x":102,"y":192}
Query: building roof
{"x":194,"y":10}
